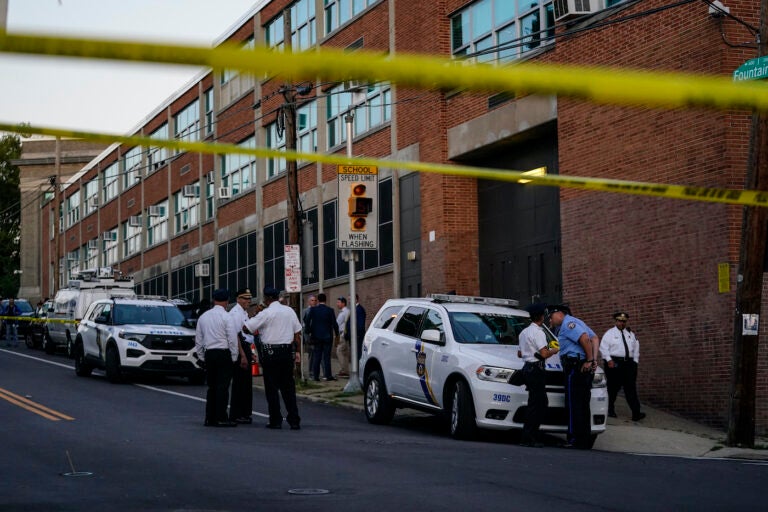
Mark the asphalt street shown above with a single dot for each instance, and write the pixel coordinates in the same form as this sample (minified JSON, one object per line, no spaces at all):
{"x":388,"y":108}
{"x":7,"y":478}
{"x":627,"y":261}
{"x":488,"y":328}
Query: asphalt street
{"x":142,"y":446}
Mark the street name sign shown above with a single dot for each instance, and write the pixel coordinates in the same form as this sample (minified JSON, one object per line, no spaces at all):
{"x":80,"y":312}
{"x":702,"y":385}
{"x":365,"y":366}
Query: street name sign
{"x":753,"y":69}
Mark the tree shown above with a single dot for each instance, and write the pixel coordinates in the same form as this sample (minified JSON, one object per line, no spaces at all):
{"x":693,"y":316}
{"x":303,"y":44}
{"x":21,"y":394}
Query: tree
{"x":10,"y":215}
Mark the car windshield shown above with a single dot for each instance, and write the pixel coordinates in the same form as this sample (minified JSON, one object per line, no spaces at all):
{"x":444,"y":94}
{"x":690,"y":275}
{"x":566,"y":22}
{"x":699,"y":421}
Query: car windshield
{"x":155,"y":315}
{"x":473,"y":327}
{"x":23,"y":305}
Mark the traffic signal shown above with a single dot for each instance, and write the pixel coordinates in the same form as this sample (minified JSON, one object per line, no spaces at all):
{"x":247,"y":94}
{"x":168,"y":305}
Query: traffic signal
{"x":359,"y":207}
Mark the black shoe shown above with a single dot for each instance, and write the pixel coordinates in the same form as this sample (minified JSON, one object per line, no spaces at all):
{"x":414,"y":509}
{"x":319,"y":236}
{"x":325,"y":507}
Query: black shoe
{"x":244,"y":420}
{"x":274,"y":426}
{"x":638,"y":416}
{"x":612,"y":414}
{"x":329,"y":378}
{"x":295,"y":426}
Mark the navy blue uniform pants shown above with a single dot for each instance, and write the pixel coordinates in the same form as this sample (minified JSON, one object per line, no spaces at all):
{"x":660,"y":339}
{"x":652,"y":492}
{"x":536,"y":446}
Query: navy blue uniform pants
{"x":218,"y":369}
{"x":278,"y":380}
{"x":578,"y":392}
{"x":535,"y":382}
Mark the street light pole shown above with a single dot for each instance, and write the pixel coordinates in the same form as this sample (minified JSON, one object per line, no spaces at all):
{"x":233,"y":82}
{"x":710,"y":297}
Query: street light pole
{"x":749,"y":285}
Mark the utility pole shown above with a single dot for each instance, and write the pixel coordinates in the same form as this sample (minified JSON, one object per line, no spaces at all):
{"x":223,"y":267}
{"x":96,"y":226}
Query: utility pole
{"x":57,"y":204}
{"x":741,"y":420}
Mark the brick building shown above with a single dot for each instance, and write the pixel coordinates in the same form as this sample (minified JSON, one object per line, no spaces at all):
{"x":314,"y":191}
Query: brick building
{"x":161,"y":215}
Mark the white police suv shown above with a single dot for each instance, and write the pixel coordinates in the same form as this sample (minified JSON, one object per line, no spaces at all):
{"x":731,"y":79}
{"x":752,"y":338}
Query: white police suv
{"x":136,"y":335}
{"x":455,"y":355}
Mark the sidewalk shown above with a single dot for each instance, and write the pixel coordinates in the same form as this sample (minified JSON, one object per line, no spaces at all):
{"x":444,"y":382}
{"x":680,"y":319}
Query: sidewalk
{"x":660,"y":433}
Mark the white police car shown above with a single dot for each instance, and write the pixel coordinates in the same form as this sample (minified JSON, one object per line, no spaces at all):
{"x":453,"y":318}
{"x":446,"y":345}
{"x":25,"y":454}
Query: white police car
{"x":135,"y":335}
{"x":455,"y":355}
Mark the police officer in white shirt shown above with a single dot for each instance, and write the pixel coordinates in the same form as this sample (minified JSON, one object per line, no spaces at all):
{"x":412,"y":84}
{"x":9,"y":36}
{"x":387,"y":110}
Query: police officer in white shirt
{"x":217,"y":349}
{"x":534,"y":351}
{"x":280,"y":332}
{"x":620,"y":351}
{"x":241,"y":401}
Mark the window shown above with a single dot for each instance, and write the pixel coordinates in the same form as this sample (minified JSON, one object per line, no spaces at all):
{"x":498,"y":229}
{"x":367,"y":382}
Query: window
{"x":303,"y":32}
{"x":73,"y":262}
{"x":154,"y":286}
{"x":501,"y":30}
{"x":238,"y":172}
{"x":185,"y":285}
{"x":338,"y":12}
{"x":229,"y":74}
{"x":157,"y":156}
{"x":208,"y":95}
{"x":432,"y":320}
{"x":91,"y":200}
{"x":238,"y":267}
{"x":73,"y":209}
{"x":187,"y":123}
{"x":306,"y":129}
{"x":374,"y":112}
{"x":157,"y":223}
{"x":109,"y":183}
{"x":410,"y":321}
{"x":110,"y":251}
{"x":91,"y":254}
{"x":186,"y":211}
{"x":210,"y":191}
{"x":386,"y":317}
{"x":275,"y":236}
{"x":131,"y":239}
{"x":131,"y":167}
{"x":276,"y":141}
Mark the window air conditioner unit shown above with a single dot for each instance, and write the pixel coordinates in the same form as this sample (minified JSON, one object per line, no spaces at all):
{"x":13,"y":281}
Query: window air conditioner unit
{"x":134,"y":221}
{"x":224,"y":193}
{"x":156,"y":211}
{"x":109,"y":236}
{"x":202,"y":270}
{"x":93,"y":244}
{"x":190,"y":191}
{"x":210,"y":178}
{"x":565,"y":9}
{"x":93,"y":202}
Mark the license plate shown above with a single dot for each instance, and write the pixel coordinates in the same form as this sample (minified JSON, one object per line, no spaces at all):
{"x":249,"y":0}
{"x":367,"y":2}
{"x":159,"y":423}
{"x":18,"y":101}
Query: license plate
{"x":170,"y":359}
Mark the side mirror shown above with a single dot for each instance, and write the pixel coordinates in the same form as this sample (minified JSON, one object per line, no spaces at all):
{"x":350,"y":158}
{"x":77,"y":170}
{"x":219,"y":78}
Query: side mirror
{"x":432,"y":336}
{"x":100,"y":320}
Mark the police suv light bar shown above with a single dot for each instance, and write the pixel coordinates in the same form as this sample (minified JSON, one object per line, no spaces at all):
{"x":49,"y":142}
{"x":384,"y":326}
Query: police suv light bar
{"x":467,"y":299}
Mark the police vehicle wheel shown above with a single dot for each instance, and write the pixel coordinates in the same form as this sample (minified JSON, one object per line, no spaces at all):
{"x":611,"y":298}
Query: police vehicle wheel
{"x":462,"y":423}
{"x":82,"y":368}
{"x":379,"y":408}
{"x":29,"y":341}
{"x":70,"y":347}
{"x":112,"y":366}
{"x":48,"y":345}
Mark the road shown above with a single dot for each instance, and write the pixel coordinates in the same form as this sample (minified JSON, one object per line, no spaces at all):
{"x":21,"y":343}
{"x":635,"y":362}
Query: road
{"x":142,"y":446}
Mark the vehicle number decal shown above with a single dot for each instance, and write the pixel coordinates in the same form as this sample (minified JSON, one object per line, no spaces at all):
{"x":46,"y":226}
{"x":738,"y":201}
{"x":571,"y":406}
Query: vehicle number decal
{"x":501,"y":397}
{"x":133,"y":344}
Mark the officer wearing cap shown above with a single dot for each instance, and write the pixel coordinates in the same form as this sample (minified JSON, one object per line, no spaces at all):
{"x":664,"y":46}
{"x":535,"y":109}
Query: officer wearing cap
{"x":535,"y":351}
{"x":280,"y":333}
{"x":241,"y":401}
{"x":217,"y":349}
{"x":579,"y":347}
{"x":620,"y":350}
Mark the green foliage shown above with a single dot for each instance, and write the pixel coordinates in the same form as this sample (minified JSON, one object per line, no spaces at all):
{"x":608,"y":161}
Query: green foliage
{"x":10,"y":215}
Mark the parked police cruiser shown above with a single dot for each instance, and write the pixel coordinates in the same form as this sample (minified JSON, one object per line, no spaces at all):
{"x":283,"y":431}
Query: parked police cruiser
{"x":136,"y":335}
{"x":455,"y":355}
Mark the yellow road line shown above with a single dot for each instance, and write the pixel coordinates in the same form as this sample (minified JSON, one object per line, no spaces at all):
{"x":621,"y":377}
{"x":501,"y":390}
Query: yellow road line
{"x":34,"y":407}
{"x":595,"y":84}
{"x":686,"y":192}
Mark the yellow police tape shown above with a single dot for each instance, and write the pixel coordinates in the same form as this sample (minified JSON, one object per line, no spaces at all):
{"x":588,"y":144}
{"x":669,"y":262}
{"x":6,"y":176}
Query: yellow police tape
{"x":706,"y":194}
{"x":39,"y":320}
{"x":595,"y":84}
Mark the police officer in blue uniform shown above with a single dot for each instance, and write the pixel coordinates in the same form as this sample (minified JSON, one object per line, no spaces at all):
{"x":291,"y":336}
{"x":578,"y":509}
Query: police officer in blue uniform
{"x":579,"y":346}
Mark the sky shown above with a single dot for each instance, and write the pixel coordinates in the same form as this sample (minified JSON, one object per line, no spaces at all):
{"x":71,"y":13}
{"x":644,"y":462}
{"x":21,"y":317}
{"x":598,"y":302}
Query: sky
{"x":102,"y":96}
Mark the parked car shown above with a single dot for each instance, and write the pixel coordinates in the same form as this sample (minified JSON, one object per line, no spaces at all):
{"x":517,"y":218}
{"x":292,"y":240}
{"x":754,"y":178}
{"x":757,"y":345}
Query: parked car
{"x":26,"y":311}
{"x":126,"y":336}
{"x":455,"y":355}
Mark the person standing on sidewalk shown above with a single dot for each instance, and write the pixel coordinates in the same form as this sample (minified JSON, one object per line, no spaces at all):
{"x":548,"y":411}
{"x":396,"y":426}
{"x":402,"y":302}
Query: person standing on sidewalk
{"x":311,"y":302}
{"x":342,"y":348}
{"x":280,"y":333}
{"x":579,"y":348}
{"x":534,"y":351}
{"x":241,"y":402}
{"x":216,"y":346}
{"x":12,"y":324}
{"x":321,"y":327}
{"x":360,"y":323}
{"x":620,"y":350}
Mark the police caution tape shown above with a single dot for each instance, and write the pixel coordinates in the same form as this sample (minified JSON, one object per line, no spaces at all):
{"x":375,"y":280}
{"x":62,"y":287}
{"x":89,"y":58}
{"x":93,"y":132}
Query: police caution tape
{"x":686,"y":192}
{"x":39,"y":320}
{"x":595,"y":84}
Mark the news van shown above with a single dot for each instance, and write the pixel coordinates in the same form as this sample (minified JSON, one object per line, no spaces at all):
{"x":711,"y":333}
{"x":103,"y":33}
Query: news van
{"x":70,"y":303}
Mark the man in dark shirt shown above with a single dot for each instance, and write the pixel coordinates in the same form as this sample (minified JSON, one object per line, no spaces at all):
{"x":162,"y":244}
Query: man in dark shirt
{"x":321,"y":327}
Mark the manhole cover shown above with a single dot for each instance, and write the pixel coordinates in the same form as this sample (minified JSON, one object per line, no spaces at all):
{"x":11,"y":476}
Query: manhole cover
{"x":77,"y":473}
{"x":308,"y":492}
